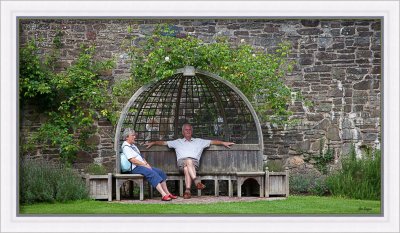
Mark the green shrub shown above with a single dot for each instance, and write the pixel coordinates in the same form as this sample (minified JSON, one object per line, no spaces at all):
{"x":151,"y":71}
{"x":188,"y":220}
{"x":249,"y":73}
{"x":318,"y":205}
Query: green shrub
{"x":308,"y":183}
{"x":299,"y":183}
{"x":42,"y":181}
{"x":319,"y":187}
{"x":359,"y":178}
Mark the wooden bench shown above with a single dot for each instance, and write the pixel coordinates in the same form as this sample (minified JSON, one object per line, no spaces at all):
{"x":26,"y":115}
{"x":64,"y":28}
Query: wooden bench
{"x":270,"y":183}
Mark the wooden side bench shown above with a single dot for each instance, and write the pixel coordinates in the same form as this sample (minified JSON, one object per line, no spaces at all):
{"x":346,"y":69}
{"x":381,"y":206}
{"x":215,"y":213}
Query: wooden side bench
{"x":100,"y":186}
{"x":277,"y":183}
{"x":121,"y":178}
{"x":243,"y":176}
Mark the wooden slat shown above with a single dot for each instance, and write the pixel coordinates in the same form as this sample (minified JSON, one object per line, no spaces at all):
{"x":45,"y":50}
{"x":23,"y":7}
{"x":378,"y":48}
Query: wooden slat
{"x":211,"y":161}
{"x":241,"y":147}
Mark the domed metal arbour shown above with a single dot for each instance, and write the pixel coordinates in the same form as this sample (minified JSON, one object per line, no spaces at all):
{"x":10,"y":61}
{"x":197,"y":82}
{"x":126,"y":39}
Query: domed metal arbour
{"x":215,"y":108}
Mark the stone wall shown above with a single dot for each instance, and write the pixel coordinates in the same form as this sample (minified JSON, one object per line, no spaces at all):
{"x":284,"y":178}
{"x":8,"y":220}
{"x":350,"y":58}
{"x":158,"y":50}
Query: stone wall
{"x":338,"y":69}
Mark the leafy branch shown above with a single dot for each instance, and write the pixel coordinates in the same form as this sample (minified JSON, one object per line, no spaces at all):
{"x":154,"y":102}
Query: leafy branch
{"x":72,"y":99}
{"x":258,"y":74}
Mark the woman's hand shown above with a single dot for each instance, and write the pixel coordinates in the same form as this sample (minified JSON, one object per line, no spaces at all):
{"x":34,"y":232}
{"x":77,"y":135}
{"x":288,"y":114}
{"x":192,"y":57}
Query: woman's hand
{"x":147,"y":165}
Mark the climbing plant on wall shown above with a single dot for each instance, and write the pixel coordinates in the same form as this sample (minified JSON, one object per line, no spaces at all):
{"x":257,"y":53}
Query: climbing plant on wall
{"x":258,"y":74}
{"x":71,"y":100}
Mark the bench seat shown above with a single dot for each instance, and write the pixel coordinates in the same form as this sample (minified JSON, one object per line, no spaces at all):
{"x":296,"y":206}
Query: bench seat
{"x":240,"y":177}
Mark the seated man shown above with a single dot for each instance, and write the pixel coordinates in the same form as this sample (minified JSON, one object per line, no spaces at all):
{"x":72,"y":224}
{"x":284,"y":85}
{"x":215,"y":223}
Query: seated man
{"x":188,"y":153}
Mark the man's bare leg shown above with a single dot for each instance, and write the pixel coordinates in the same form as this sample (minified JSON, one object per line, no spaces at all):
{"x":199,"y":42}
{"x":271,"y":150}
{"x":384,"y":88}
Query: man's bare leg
{"x":191,"y":168}
{"x":192,"y":172}
{"x":188,"y":182}
{"x":188,"y":179}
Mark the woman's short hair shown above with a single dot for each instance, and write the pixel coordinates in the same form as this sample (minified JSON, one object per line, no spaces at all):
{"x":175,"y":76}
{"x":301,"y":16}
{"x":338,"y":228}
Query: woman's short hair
{"x":127,"y":132}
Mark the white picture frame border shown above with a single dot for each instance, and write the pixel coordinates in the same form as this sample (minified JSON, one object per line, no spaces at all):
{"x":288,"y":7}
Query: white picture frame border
{"x":12,"y":222}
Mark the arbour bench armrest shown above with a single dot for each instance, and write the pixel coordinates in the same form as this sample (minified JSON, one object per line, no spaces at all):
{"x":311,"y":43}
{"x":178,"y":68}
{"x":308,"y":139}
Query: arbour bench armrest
{"x":250,"y":173}
{"x":123,"y":175}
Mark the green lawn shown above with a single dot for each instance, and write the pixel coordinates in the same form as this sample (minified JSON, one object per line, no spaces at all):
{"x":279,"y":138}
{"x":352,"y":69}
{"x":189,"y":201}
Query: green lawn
{"x":294,"y":205}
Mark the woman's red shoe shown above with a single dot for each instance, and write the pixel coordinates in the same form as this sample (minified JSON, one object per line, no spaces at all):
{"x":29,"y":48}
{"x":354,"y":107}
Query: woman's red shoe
{"x":166,"y":198}
{"x":172,"y":196}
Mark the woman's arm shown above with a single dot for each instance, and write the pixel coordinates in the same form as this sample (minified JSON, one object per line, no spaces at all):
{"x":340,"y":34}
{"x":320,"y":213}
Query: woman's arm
{"x":139,"y":163}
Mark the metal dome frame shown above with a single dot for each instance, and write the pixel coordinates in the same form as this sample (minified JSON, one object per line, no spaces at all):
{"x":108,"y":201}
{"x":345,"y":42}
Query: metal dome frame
{"x":187,"y":71}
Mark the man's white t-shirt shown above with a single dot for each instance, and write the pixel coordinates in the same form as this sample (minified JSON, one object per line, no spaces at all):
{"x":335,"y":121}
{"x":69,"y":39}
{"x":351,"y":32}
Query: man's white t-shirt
{"x":192,"y":148}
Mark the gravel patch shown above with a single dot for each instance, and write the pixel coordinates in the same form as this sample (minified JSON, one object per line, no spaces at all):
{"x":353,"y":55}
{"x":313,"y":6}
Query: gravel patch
{"x":199,"y":200}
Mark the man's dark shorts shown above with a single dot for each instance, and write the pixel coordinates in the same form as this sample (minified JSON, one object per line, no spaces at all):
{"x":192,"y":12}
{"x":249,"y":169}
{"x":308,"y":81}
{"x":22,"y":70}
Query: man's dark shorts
{"x":181,"y":163}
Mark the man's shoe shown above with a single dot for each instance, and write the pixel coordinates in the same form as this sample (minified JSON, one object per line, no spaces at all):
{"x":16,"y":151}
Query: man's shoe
{"x":187,"y":195}
{"x":172,"y":196}
{"x":200,"y":186}
{"x":166,"y":198}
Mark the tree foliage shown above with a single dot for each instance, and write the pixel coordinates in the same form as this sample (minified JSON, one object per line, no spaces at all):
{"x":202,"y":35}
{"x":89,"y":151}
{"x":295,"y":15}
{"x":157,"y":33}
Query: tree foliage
{"x":258,"y":74}
{"x":71,"y":99}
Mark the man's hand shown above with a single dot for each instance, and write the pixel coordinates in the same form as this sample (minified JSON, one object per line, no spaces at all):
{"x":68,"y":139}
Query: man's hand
{"x":149,"y":144}
{"x":158,"y":143}
{"x":228,"y":144}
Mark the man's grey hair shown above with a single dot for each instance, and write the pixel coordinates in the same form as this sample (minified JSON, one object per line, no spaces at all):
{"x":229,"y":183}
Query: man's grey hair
{"x":127,"y":132}
{"x":183,"y":126}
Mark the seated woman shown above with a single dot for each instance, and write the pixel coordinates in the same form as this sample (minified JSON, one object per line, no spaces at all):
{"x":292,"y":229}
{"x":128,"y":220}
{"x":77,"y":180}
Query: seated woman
{"x":133,"y":162}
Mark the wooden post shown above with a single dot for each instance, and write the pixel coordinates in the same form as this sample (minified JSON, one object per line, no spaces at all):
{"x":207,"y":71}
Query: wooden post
{"x":267,"y":182}
{"x":230,"y":188}
{"x":109,"y":187}
{"x":141,"y":189}
{"x":151,"y":191}
{"x":216,"y":186}
{"x":199,"y":190}
{"x":239,"y":187}
{"x":262,"y":185}
{"x":181,"y":187}
{"x":118,"y":189}
{"x":287,"y":181}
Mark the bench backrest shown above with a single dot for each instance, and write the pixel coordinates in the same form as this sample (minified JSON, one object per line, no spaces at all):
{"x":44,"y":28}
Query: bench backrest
{"x":214,"y":160}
